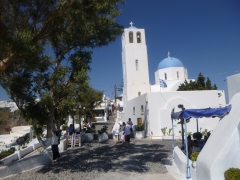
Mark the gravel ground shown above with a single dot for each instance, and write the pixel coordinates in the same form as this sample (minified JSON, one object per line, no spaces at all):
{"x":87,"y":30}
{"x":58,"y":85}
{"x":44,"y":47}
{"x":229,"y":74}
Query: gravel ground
{"x":94,"y":160}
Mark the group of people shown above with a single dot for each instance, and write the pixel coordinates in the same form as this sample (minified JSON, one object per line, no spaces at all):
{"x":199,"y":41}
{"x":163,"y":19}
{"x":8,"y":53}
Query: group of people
{"x":120,"y":131}
{"x":195,"y":145}
{"x":123,"y":131}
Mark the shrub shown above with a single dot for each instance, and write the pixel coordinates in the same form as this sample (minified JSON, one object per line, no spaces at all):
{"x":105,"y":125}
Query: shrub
{"x":64,"y":127}
{"x":169,"y":132}
{"x":139,"y":128}
{"x":103,"y":130}
{"x":164,"y":130}
{"x":194,"y":156}
{"x":232,"y":174}
{"x":90,"y":130}
{"x":6,"y":153}
{"x":8,"y":128}
{"x":197,"y":135}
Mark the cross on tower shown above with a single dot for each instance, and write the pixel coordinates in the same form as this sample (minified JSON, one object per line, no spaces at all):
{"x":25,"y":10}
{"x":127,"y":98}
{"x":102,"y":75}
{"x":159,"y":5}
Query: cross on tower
{"x":131,"y":23}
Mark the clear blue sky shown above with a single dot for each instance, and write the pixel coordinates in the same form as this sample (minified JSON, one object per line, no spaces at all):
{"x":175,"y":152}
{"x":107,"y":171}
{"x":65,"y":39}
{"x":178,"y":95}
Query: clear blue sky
{"x":203,"y":34}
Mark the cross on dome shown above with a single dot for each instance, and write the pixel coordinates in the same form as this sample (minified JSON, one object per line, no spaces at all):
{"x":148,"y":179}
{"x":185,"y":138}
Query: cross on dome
{"x":168,"y":54}
{"x":131,"y":23}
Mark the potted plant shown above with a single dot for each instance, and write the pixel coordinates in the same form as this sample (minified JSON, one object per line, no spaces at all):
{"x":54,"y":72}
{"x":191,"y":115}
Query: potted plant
{"x":167,"y":135}
{"x":139,"y":132}
{"x":103,"y":134}
{"x":64,"y":127}
{"x":194,"y":157}
{"x":232,"y":173}
{"x":89,"y":135}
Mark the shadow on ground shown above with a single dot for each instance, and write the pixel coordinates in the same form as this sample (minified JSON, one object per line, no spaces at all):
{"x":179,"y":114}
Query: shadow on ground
{"x":106,"y":157}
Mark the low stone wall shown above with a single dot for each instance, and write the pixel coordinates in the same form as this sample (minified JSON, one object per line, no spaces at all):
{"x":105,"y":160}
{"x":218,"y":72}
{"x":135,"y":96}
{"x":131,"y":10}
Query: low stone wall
{"x":181,"y":162}
{"x":13,"y":157}
{"x":24,"y":164}
{"x":19,"y":154}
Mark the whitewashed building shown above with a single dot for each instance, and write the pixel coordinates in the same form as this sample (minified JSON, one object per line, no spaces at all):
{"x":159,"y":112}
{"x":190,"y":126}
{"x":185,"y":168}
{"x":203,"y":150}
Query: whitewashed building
{"x":152,"y":103}
{"x":233,"y":83}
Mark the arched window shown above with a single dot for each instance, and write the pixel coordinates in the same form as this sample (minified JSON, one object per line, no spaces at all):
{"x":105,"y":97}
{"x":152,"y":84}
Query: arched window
{"x":130,"y":37}
{"x":136,"y":64}
{"x":139,"y":93}
{"x":165,"y":74}
{"x":138,"y":37}
{"x":177,"y":75}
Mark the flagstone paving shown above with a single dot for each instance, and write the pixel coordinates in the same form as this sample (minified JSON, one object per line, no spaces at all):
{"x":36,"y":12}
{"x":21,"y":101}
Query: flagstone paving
{"x":143,"y":160}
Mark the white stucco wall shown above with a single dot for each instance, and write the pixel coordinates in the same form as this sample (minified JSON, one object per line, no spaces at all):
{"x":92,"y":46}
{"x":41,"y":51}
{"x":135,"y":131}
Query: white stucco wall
{"x":221,"y":151}
{"x":128,"y":112}
{"x":159,"y":105}
{"x":135,"y":75}
{"x":233,"y":83}
{"x":171,"y":74}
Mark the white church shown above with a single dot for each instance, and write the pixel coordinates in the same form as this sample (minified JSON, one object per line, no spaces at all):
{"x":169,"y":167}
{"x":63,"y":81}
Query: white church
{"x":152,"y":103}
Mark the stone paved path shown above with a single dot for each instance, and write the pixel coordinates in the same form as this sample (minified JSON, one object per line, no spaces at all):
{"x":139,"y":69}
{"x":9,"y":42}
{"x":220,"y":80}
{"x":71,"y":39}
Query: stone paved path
{"x":143,"y":160}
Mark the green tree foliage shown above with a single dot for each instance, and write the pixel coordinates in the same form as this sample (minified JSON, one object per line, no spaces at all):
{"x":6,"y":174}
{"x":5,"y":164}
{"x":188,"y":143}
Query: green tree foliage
{"x":4,"y":115}
{"x":26,"y":26}
{"x":48,"y":45}
{"x":200,"y":84}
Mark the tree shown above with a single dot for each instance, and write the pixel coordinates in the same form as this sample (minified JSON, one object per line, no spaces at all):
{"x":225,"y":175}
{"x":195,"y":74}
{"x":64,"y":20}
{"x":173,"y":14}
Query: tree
{"x":200,"y":82}
{"x":26,"y":26}
{"x":199,"y":85}
{"x":70,"y":30}
{"x":120,"y":87}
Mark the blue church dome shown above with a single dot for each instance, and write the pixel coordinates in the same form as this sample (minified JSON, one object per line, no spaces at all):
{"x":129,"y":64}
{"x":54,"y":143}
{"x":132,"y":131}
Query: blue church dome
{"x":170,"y":62}
{"x":132,"y":27}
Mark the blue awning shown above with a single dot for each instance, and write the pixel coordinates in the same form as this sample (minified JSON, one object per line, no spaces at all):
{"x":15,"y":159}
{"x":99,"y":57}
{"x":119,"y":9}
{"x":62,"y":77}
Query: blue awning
{"x":198,"y":113}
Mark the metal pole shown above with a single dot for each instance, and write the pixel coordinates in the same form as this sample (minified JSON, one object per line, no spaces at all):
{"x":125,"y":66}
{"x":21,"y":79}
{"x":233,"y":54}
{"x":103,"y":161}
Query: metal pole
{"x":173,"y":139}
{"x":197,"y":124}
{"x":188,"y":175}
{"x":182,"y":134}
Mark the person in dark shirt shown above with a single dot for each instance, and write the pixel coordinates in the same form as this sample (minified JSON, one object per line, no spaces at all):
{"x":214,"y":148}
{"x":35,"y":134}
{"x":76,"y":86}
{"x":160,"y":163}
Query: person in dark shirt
{"x":70,"y":129}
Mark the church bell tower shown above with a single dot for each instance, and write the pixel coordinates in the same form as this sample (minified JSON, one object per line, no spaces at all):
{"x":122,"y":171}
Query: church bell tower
{"x":134,"y":63}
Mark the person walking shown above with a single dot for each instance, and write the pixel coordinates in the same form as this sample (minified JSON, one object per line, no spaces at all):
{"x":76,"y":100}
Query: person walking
{"x":127,"y":133}
{"x":115,"y":131}
{"x":131,"y":124}
{"x":55,"y":151}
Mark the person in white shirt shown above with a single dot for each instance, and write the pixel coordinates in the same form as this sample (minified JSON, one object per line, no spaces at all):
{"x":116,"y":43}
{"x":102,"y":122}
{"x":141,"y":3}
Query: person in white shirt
{"x":115,"y":131}
{"x":55,"y":151}
{"x":127,"y":133}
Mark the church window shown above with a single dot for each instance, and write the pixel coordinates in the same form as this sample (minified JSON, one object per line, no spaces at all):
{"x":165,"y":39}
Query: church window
{"x":139,"y":93}
{"x":165,"y":74}
{"x":177,"y":74}
{"x":133,"y":110}
{"x":136,"y":63}
{"x":142,"y":109}
{"x":130,"y":37}
{"x":138,"y":37}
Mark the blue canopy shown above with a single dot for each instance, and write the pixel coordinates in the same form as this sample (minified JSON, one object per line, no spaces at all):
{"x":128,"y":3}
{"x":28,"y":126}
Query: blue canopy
{"x":198,"y":113}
